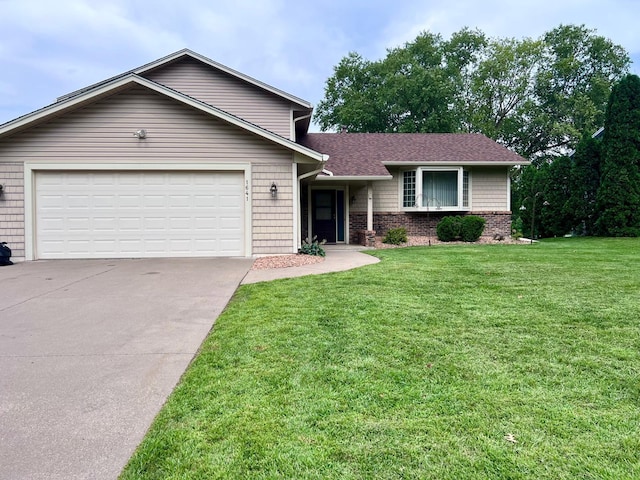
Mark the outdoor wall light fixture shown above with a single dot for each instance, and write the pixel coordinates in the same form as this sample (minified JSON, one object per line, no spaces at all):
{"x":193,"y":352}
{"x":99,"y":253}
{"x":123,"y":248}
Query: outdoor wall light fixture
{"x":140,"y":134}
{"x":274,"y":190}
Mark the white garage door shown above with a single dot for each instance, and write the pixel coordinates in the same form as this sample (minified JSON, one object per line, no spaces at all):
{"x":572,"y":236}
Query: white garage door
{"x":139,"y":214}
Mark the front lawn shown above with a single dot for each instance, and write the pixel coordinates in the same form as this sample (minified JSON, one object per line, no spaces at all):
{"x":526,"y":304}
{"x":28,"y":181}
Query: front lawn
{"x":443,"y":362}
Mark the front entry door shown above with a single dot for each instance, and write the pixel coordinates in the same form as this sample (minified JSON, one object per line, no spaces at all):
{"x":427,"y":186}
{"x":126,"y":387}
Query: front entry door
{"x":324,"y":222}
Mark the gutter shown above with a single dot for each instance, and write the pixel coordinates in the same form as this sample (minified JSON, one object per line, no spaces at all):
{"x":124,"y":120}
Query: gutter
{"x":354,"y":177}
{"x":302,"y":118}
{"x":465,"y":163}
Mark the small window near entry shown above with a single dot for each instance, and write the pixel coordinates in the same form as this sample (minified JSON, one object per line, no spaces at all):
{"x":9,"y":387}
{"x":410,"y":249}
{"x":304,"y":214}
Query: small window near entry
{"x":465,"y":189}
{"x":409,"y":190}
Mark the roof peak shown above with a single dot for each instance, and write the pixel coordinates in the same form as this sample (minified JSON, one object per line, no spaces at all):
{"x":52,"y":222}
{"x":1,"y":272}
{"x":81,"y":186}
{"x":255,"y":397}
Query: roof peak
{"x":186,"y":52}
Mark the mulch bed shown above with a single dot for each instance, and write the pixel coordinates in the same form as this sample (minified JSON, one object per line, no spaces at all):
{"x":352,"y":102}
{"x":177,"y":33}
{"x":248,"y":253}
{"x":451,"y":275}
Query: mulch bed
{"x":299,"y":260}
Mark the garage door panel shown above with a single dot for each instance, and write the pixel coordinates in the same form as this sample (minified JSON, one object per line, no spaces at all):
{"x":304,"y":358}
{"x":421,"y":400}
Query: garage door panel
{"x":79,"y":179}
{"x":139,"y":214}
{"x":78,"y":224}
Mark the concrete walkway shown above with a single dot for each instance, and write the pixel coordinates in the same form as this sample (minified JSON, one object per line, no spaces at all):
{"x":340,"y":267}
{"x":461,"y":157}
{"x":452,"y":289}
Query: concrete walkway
{"x":338,"y":258}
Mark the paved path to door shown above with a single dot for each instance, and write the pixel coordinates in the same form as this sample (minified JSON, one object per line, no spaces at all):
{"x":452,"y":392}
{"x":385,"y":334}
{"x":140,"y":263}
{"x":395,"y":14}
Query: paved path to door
{"x":89,"y":352}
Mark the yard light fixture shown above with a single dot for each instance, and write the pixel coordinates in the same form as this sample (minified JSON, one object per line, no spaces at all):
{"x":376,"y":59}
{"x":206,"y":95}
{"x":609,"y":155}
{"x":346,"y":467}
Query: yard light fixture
{"x":274,"y":190}
{"x":533,"y":211}
{"x":140,"y":134}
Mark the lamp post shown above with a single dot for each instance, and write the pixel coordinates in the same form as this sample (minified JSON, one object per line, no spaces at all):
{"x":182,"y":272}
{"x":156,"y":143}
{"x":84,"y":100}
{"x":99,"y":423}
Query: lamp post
{"x":533,"y":211}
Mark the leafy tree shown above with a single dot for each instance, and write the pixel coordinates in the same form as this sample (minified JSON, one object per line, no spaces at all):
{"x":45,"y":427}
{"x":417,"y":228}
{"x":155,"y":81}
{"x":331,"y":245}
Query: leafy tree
{"x":409,"y":91}
{"x":573,"y":84}
{"x":534,"y":96}
{"x":502,"y":92}
{"x":618,"y":198}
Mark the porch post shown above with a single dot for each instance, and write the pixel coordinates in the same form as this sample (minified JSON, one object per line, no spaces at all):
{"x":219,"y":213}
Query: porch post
{"x":368,"y":237}
{"x":369,"y":206}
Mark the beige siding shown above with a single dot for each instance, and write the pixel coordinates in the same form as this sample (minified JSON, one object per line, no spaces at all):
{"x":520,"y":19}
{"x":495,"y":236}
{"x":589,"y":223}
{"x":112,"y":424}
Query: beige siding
{"x":12,"y":208}
{"x":104,"y":130}
{"x":358,"y":200}
{"x":272,"y":218}
{"x":227,"y":93}
{"x":489,"y":189}
{"x":103,"y":133}
{"x":385,"y":196}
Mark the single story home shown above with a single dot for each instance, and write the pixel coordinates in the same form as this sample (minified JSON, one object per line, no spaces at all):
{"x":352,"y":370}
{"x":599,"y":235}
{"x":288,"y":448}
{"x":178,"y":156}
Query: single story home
{"x":185,"y":157}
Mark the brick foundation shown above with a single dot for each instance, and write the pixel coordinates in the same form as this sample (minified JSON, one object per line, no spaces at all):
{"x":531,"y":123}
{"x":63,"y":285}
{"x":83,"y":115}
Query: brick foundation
{"x":422,"y":224}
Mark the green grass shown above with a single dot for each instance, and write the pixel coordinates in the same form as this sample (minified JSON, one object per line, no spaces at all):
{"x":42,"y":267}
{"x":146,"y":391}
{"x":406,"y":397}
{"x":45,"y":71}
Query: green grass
{"x":424,"y":365}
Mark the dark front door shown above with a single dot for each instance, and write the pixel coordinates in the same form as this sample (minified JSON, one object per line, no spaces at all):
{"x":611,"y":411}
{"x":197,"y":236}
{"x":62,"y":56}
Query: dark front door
{"x":323,"y":207}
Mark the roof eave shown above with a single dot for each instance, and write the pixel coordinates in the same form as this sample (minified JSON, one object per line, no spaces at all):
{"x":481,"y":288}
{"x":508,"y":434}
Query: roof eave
{"x":63,"y":105}
{"x":466,"y":163}
{"x":354,"y":177}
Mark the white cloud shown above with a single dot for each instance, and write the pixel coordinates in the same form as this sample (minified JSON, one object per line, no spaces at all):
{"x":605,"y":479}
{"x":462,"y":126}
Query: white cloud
{"x":50,"y":48}
{"x":526,"y":18}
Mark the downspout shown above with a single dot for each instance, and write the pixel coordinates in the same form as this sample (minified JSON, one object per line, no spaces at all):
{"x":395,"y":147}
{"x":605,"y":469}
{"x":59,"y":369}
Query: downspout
{"x":295,"y":120}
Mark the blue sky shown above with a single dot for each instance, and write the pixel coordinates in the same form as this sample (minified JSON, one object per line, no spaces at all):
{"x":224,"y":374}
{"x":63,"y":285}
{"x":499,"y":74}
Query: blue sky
{"x":50,"y":48}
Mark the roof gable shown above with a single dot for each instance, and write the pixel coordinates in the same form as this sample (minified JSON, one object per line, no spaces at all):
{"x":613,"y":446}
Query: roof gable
{"x":123,"y":82}
{"x":366,"y":154}
{"x":184,"y":53}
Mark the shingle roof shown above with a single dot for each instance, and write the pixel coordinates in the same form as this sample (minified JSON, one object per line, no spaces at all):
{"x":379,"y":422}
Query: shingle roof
{"x":365,"y":154}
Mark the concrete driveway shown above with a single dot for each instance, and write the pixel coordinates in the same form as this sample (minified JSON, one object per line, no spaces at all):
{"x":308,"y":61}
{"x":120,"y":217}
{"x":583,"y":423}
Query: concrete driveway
{"x":89,"y":352}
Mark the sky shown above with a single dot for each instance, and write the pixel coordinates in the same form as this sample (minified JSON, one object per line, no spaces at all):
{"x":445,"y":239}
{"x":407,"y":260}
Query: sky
{"x":49,"y":48}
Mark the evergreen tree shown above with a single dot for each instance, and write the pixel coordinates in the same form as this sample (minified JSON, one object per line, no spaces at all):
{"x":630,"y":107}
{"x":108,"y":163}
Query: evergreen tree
{"x":618,"y":198}
{"x":584,"y":183}
{"x":556,"y":218}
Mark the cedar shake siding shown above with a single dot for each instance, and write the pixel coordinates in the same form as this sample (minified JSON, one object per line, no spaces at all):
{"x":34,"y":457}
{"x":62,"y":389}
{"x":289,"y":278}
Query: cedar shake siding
{"x":228,"y":93}
{"x":12,"y":208}
{"x":272,"y":218}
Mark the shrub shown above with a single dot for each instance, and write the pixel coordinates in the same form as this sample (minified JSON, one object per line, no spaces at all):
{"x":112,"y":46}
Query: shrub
{"x":467,"y":228}
{"x":396,"y":236}
{"x":516,"y":230}
{"x":448,"y":229}
{"x":471,"y":228}
{"x":313,"y":247}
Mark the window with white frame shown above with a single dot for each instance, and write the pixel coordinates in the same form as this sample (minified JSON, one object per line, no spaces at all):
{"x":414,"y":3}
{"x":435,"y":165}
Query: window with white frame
{"x":435,"y":188}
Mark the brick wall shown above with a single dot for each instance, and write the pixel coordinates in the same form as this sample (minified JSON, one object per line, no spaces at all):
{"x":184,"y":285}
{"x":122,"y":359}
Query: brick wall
{"x":423,"y":224}
{"x":12,"y":208}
